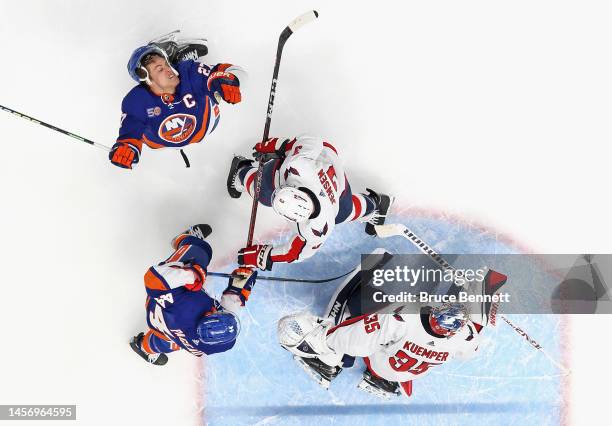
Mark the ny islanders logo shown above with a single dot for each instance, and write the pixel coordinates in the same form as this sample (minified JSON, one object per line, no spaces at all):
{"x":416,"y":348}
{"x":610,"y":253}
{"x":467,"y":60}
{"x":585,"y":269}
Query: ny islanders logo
{"x":177,"y":128}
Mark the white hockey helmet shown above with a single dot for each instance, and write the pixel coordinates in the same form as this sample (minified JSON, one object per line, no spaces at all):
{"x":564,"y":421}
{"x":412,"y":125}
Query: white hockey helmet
{"x":293,"y":204}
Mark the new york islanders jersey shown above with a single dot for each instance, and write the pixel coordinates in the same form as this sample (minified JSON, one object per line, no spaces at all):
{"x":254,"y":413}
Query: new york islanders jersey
{"x":184,"y":118}
{"x":398,"y":347}
{"x":311,"y":163}
{"x":176,"y":301}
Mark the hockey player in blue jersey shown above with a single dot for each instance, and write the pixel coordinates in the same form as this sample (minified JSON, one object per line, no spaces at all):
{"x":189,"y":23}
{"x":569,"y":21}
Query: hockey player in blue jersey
{"x":180,"y":314}
{"x":174,"y":105}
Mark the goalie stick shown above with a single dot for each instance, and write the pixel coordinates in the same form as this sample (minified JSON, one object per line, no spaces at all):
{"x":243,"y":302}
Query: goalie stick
{"x":398,"y":229}
{"x":295,"y":25}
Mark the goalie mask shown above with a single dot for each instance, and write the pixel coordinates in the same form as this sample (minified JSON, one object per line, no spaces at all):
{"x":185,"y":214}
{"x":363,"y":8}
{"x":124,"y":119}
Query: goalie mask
{"x":293,"y":204}
{"x":220,"y":328}
{"x":138,"y":60}
{"x":448,"y":319}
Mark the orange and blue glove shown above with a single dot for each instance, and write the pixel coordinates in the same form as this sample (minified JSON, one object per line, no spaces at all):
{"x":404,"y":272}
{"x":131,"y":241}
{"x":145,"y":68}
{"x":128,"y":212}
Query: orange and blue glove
{"x":124,"y":155}
{"x":241,"y":283}
{"x":224,"y":83}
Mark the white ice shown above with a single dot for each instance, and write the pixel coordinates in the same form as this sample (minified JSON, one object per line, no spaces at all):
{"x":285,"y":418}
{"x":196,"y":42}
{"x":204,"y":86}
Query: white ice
{"x":497,"y":113}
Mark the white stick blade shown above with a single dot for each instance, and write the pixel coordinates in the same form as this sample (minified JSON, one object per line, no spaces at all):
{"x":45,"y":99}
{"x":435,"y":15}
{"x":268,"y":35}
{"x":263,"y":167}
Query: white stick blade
{"x":302,"y":20}
{"x":389,"y":230}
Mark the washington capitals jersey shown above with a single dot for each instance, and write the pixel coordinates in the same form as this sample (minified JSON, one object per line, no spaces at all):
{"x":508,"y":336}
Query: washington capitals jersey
{"x":398,"y":347}
{"x":184,"y":118}
{"x":311,"y":163}
{"x":174,"y":310}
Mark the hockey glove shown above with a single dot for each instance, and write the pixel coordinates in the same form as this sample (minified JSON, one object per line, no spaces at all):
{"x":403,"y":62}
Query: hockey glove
{"x":242,"y":285}
{"x":225,"y":83}
{"x":124,"y":155}
{"x":271,"y":148}
{"x":257,"y":256}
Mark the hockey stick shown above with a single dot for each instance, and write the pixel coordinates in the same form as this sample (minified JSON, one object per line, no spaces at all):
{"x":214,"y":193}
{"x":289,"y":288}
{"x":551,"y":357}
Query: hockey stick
{"x":398,"y":229}
{"x":296,"y":24}
{"x":57,"y":129}
{"x":536,"y":345}
{"x":291,"y":280}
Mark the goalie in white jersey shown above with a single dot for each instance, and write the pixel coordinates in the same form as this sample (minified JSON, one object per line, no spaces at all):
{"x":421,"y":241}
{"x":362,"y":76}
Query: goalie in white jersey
{"x":304,"y":182}
{"x":396,"y":347}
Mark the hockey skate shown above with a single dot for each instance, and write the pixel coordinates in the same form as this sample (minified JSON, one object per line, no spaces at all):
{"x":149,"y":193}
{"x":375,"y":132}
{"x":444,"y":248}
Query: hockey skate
{"x":179,"y":50}
{"x":193,"y":49}
{"x":318,"y":370}
{"x":200,"y":231}
{"x":233,"y":186}
{"x":378,"y":386}
{"x":378,"y":216}
{"x":155,"y":359}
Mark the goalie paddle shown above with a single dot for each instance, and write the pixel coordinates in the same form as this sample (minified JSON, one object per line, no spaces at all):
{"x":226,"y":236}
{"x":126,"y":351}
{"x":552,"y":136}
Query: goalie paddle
{"x":397,"y":229}
{"x":295,"y":25}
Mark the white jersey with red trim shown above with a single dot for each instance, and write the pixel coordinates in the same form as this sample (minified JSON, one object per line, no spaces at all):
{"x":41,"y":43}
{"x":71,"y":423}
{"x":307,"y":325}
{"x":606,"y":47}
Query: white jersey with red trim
{"x":397,"y":347}
{"x":312,"y":163}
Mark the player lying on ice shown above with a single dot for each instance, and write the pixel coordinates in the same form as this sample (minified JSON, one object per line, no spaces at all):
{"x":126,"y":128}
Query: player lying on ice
{"x":176,"y":102}
{"x":396,"y":348}
{"x":180,"y":314}
{"x":304,"y":182}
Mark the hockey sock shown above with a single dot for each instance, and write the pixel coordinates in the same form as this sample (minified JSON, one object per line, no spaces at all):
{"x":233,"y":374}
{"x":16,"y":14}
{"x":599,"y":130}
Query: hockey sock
{"x":152,"y":344}
{"x":363,"y":205}
{"x":192,"y":249}
{"x":246,"y":176}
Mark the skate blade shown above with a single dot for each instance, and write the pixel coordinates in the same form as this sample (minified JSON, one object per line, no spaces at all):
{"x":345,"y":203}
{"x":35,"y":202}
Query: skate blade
{"x":365,"y":386}
{"x":171,"y":36}
{"x":322,"y":381}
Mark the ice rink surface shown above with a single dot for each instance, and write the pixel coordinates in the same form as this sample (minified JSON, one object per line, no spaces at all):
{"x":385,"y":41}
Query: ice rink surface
{"x":507,"y":382}
{"x":496,"y":114}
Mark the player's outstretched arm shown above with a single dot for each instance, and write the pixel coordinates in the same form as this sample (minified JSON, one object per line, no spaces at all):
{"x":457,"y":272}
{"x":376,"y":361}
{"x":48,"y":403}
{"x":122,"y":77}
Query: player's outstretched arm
{"x":125,"y":153}
{"x":263,"y":256}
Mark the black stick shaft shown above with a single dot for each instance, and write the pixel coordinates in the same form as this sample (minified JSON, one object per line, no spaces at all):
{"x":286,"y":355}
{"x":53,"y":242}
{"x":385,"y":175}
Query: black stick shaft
{"x":285,"y":279}
{"x":293,"y":26}
{"x":279,"y":51}
{"x":52,"y":127}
